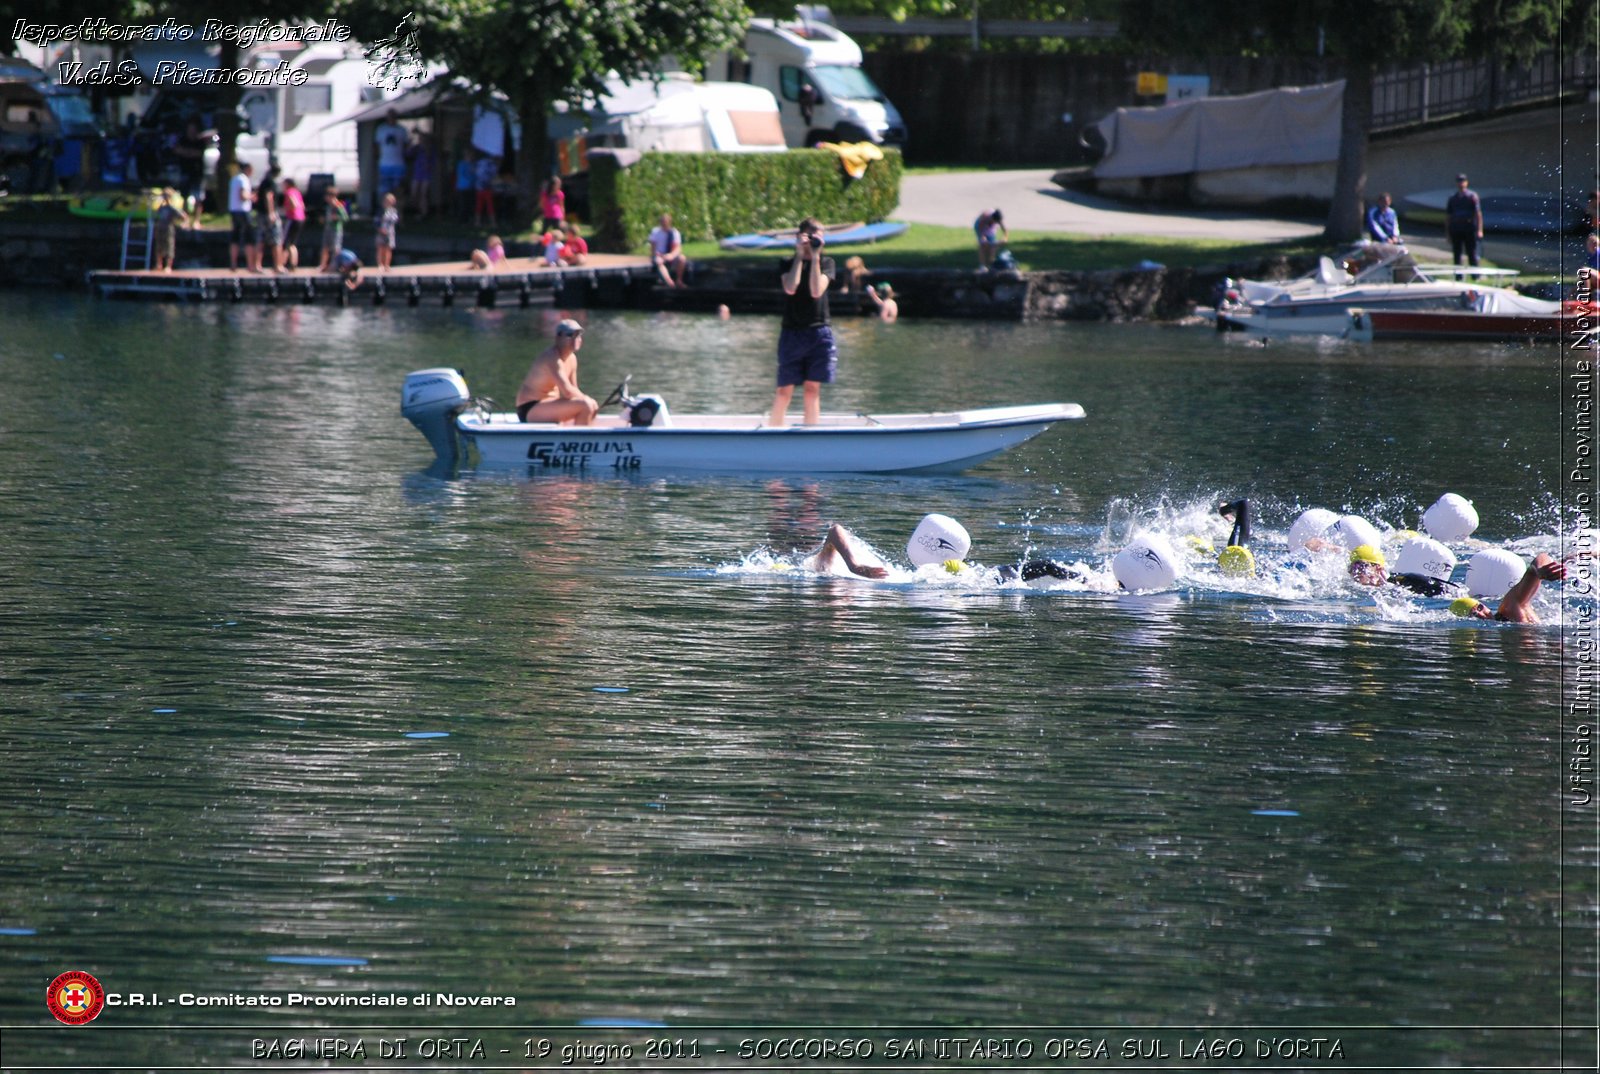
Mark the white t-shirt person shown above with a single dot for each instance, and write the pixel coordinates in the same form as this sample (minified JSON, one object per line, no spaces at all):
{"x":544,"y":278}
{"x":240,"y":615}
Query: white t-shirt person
{"x":239,"y":193}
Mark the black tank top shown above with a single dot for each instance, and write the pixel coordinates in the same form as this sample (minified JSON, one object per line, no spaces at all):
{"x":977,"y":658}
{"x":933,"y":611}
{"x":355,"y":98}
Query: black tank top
{"x":800,"y":310}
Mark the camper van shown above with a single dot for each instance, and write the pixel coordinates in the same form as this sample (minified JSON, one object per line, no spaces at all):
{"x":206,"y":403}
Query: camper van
{"x":815,"y":71}
{"x":679,"y":114}
{"x":300,"y":126}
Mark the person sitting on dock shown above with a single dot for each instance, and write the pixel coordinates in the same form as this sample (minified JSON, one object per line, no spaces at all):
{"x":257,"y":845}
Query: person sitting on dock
{"x":489,"y":258}
{"x":549,"y":393}
{"x":666,"y":252}
{"x":575,"y":251}
{"x":1382,"y":224}
{"x":1517,"y":605}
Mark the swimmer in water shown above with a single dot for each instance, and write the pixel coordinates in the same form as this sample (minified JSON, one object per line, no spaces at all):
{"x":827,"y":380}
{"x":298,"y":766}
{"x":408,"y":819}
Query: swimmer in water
{"x":1517,"y":605}
{"x":1237,"y":558}
{"x":938,"y":540}
{"x":1369,"y":568}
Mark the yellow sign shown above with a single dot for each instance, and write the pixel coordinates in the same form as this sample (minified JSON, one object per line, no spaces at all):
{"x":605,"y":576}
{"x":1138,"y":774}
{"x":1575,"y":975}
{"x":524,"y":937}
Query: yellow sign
{"x":1151,"y":84}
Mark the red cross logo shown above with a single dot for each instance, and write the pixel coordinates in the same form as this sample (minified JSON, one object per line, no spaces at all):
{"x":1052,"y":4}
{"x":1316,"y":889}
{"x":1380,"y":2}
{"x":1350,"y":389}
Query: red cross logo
{"x":75,"y":998}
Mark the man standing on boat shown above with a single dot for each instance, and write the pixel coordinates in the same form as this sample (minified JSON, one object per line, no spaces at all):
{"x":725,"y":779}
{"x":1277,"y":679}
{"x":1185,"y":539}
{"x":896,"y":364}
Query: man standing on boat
{"x":1464,"y":223}
{"x":550,"y":390}
{"x":807,"y":355}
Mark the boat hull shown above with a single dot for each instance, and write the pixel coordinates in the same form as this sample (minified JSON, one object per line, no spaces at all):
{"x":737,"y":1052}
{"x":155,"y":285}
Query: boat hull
{"x":886,"y":444}
{"x":1467,"y":324}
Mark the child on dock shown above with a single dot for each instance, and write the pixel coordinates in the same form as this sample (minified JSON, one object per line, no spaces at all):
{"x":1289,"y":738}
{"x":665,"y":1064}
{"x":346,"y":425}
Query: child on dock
{"x":387,"y":223}
{"x":489,"y":258}
{"x":169,"y":217}
{"x":334,"y":217}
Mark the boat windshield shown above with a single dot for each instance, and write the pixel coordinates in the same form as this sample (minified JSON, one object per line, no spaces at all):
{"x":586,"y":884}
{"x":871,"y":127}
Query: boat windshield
{"x":847,"y":83}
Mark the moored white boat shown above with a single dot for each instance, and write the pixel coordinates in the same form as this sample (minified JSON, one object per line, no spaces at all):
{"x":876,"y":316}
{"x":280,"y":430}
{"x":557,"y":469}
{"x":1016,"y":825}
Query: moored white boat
{"x":1319,"y":303}
{"x":646,"y":436}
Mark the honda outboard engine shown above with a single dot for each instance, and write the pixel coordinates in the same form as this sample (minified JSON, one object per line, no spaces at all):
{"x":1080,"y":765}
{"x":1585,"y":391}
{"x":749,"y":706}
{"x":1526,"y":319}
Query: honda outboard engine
{"x":432,"y":398}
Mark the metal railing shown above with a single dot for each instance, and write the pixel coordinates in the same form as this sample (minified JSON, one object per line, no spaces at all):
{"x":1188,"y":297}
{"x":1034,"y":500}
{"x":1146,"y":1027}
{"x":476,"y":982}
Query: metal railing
{"x":1461,"y":87}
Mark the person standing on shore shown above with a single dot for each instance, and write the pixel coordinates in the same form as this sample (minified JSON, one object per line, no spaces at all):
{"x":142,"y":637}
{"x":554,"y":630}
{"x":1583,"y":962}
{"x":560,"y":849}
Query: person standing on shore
{"x":807,"y":354}
{"x":294,"y":215}
{"x":1464,"y":223}
{"x":989,"y":226}
{"x":241,"y":197}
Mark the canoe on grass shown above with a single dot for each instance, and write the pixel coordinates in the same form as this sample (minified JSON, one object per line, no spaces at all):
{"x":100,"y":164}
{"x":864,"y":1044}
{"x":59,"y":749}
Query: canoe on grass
{"x":835,"y":234}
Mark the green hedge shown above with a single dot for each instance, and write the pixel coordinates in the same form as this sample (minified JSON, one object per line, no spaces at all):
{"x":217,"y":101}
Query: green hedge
{"x":714,"y":195}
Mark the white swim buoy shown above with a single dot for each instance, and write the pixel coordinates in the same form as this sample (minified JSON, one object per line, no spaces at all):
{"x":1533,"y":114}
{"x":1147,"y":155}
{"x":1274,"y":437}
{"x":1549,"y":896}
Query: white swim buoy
{"x":1148,"y":563}
{"x":1493,"y":571}
{"x":1313,"y":523}
{"x":1353,"y":531}
{"x":1426,"y":557}
{"x":1451,"y":518}
{"x":936,"y":539}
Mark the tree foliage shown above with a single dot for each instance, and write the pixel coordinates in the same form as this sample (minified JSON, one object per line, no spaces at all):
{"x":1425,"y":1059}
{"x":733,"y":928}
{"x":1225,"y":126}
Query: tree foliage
{"x":539,"y":52}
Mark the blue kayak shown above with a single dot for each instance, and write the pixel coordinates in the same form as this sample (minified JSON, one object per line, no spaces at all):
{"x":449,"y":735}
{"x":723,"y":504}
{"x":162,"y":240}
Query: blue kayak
{"x":836,"y":235}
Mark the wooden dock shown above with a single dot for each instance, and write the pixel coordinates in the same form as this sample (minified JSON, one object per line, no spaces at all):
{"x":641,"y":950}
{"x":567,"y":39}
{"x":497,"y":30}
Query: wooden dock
{"x":523,"y":280}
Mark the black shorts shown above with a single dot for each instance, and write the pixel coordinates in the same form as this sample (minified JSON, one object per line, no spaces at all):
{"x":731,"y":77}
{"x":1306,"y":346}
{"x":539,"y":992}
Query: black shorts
{"x":244,"y":231}
{"x":523,"y":408}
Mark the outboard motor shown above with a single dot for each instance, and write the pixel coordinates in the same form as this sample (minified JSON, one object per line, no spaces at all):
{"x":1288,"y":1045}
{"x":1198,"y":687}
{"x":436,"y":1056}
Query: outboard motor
{"x":431,"y":399}
{"x":643,"y":411}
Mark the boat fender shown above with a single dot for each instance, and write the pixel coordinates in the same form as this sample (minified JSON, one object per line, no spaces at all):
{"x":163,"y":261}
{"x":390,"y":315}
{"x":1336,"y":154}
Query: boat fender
{"x":1451,"y":518}
{"x":1148,"y":563}
{"x":1427,"y":557}
{"x":1353,"y":531}
{"x":1493,"y":571}
{"x":936,"y":539}
{"x":1311,"y":524}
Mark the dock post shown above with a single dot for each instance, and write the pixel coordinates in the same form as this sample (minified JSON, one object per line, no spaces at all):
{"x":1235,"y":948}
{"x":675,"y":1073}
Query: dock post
{"x":311,"y":292}
{"x":449,"y":290}
{"x":486,"y":294}
{"x":380,"y":294}
{"x":414,"y":295}
{"x":524,"y":293}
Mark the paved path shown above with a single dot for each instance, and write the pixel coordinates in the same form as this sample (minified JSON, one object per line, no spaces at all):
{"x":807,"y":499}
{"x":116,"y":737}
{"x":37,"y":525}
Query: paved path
{"x":1031,"y":202}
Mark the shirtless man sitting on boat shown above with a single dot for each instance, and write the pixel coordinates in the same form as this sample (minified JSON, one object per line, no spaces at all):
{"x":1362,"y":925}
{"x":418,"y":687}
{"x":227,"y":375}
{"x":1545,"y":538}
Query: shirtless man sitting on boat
{"x":550,"y":390}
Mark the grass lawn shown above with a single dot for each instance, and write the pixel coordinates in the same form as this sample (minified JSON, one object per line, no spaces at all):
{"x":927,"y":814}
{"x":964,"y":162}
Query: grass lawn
{"x":932,"y":246}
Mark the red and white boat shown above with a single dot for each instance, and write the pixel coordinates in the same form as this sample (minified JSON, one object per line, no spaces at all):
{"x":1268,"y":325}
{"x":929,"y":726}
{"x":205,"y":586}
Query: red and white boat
{"x":1491,"y":316}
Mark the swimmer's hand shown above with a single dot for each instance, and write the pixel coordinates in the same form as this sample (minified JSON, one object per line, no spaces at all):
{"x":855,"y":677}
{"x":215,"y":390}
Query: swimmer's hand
{"x":871,"y":572}
{"x":1548,"y":569}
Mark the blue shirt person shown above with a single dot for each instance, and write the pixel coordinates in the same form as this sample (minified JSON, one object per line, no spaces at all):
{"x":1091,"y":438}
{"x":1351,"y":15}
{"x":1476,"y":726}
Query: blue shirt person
{"x":1382,"y":224}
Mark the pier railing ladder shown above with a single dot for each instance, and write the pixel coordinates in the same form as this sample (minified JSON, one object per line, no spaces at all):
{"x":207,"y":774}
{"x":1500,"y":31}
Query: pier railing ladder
{"x":137,"y":240}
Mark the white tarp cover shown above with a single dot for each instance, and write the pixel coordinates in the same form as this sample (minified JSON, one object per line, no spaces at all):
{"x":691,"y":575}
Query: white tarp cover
{"x":1293,"y":125}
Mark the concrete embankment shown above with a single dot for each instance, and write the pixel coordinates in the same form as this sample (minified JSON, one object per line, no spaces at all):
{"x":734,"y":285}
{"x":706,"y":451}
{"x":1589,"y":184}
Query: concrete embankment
{"x":60,"y":254}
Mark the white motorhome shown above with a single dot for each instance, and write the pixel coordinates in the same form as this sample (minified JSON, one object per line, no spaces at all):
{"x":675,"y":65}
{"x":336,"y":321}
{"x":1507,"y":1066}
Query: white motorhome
{"x":300,"y":126}
{"x":815,"y":71}
{"x":678,"y":114}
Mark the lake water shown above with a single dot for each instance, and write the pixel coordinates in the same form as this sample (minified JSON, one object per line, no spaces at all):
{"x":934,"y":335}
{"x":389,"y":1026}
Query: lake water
{"x":286,"y":712}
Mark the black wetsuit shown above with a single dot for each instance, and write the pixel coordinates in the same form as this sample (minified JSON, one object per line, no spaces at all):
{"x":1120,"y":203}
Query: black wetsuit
{"x":1424,"y":586}
{"x":1239,"y":511}
{"x":1038,"y":568}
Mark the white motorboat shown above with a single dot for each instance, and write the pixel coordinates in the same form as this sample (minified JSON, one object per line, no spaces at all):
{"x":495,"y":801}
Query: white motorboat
{"x":1369,"y":276}
{"x":646,"y":436}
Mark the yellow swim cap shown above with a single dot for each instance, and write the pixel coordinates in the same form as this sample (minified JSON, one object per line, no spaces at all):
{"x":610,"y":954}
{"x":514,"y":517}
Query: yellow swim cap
{"x":1236,"y":559}
{"x":1366,"y":553}
{"x":1401,"y":536}
{"x":1198,"y":545}
{"x":954,"y":566}
{"x":1464,"y":606}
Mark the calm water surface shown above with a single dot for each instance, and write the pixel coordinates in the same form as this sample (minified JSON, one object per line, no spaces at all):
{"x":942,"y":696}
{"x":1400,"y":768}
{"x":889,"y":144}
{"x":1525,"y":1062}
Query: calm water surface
{"x":232,"y":589}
